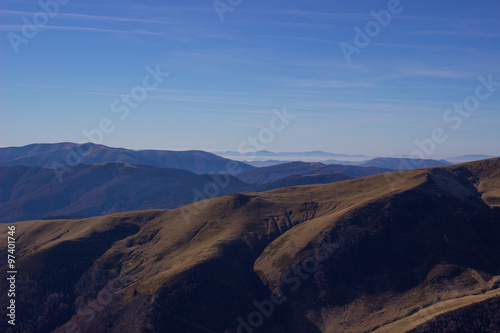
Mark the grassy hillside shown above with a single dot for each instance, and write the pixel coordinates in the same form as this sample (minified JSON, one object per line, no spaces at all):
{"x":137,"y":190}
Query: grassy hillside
{"x":351,"y":256}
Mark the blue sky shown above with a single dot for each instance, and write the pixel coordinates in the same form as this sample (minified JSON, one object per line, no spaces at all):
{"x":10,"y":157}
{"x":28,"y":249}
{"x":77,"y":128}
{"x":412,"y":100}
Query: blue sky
{"x":226,"y":77}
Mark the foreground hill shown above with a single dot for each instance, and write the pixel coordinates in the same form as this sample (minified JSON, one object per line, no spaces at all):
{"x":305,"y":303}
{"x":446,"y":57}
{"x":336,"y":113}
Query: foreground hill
{"x":479,"y":317}
{"x":472,"y":313}
{"x":49,"y":155}
{"x":351,"y":256}
{"x":276,"y":172}
{"x":97,"y":189}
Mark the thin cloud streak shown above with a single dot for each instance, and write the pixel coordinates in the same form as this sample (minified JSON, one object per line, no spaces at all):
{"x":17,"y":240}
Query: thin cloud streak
{"x":18,"y":27}
{"x":92,"y":17}
{"x":455,"y":32}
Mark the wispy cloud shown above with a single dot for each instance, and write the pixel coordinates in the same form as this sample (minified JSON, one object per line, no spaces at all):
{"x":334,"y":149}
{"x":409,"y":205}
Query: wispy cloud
{"x":458,"y":33}
{"x":318,"y":83}
{"x":244,"y":56}
{"x":420,"y":71}
{"x":304,"y":39}
{"x":225,"y":58}
{"x":18,"y":27}
{"x":95,"y":17}
{"x":322,"y":14}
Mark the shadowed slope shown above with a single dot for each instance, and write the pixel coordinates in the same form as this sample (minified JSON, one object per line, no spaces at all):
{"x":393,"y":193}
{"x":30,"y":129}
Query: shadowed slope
{"x":276,"y":172}
{"x":98,"y":189}
{"x":484,"y":175}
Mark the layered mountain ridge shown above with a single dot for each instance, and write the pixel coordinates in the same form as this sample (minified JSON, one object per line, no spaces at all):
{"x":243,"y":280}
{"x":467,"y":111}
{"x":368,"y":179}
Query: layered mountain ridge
{"x":353,"y":256}
{"x":98,"y":189}
{"x":63,"y":154}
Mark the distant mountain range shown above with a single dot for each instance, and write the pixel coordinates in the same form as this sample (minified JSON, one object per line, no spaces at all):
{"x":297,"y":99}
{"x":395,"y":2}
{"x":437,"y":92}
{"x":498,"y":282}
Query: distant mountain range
{"x":97,"y":189}
{"x":200,"y":162}
{"x":28,"y":193}
{"x":267,"y":158}
{"x":266,"y":163}
{"x":105,"y":180}
{"x":404,"y":163}
{"x":469,"y":158}
{"x":49,"y":155}
{"x":309,"y":156}
{"x":276,"y":172}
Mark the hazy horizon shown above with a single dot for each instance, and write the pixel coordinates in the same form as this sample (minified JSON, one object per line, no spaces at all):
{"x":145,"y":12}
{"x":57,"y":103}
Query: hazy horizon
{"x":242,"y":157}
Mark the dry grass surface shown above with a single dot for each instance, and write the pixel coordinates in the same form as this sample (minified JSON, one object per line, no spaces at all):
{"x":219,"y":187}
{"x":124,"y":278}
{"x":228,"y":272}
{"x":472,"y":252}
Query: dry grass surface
{"x":411,"y":322}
